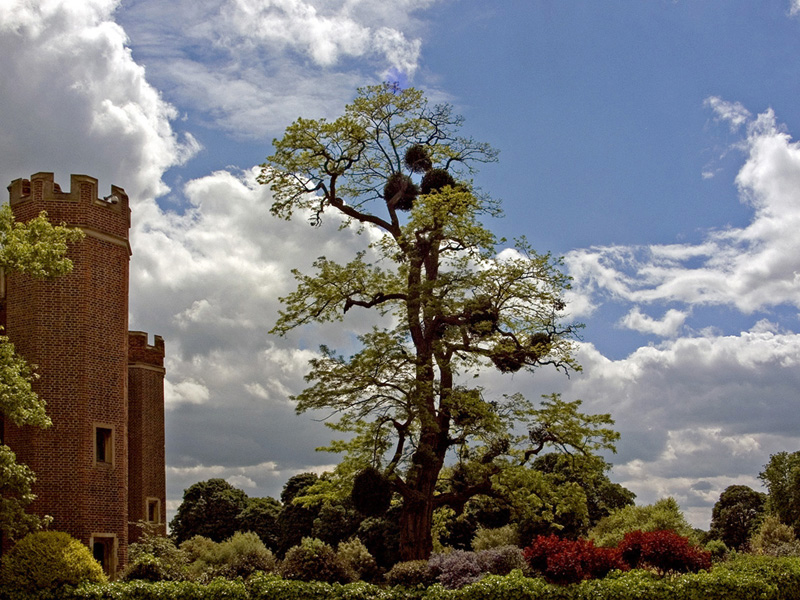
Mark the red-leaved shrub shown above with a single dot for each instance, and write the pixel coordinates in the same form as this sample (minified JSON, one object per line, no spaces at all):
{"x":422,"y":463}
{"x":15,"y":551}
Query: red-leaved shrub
{"x":569,"y":561}
{"x":664,"y":551}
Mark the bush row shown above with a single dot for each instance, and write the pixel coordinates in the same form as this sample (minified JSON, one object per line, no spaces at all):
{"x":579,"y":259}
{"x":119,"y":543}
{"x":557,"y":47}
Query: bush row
{"x":744,"y":578}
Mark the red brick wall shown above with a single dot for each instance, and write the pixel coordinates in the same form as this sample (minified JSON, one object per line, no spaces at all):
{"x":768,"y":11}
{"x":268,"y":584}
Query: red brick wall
{"x":75,"y":328}
{"x":146,"y":459}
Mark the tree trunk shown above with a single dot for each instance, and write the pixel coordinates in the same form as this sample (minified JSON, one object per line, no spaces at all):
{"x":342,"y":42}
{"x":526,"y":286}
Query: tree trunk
{"x":416,"y":518}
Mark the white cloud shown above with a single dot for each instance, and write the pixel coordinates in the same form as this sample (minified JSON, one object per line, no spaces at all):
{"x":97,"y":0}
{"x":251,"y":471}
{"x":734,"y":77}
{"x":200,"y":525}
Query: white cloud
{"x":184,"y":392}
{"x":668,"y":326}
{"x":79,"y":101}
{"x":264,"y":63}
{"x":733,"y":112}
{"x":750,"y":268}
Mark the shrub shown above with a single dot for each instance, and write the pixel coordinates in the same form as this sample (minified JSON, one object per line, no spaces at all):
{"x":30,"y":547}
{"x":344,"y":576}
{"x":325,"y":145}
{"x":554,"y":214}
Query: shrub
{"x":502,"y":560}
{"x":494,"y":538}
{"x":717,"y":549}
{"x":356,"y":558}
{"x":455,"y":569}
{"x":239,"y":556}
{"x":569,"y":561}
{"x":774,"y":538}
{"x":411,"y":574}
{"x":663,"y":515}
{"x":155,"y":558}
{"x":664,"y":551}
{"x":313,"y":560}
{"x":49,"y":559}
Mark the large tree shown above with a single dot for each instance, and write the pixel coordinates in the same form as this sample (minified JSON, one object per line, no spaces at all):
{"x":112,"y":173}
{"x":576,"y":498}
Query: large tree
{"x":396,"y":165}
{"x":736,"y":515}
{"x":39,"y":249}
{"x":781,"y":476}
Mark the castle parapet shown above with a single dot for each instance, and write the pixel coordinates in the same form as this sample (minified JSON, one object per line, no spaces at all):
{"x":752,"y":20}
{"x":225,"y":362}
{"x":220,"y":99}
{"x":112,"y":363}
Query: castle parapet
{"x":140,"y":351}
{"x":81,"y":206}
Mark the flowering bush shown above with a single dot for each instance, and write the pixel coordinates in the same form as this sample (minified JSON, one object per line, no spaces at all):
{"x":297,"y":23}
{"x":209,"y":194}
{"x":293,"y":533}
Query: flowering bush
{"x":569,"y":561}
{"x":501,"y":560}
{"x":455,"y":569}
{"x":664,"y":551}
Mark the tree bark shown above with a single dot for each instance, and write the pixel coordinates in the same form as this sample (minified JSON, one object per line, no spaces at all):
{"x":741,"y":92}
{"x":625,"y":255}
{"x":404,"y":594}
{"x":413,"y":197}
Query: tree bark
{"x":416,"y":517}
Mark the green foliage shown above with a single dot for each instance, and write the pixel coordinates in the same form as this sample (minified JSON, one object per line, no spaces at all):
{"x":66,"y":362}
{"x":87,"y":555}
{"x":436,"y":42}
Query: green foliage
{"x":494,"y":538}
{"x":411,"y":574}
{"x":717,"y":549}
{"x":239,"y":556}
{"x":781,"y":476}
{"x":356,"y":558}
{"x":664,"y":515}
{"x":155,"y":558}
{"x":314,"y":560}
{"x":744,"y":578}
{"x":46,"y":560}
{"x":210,"y":509}
{"x":452,"y":306}
{"x":775,"y":538}
{"x":260,"y":516}
{"x":736,"y":515}
{"x":296,"y":519}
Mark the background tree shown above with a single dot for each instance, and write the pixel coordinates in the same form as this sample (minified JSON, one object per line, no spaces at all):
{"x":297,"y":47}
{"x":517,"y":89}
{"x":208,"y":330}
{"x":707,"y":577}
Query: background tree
{"x":396,"y":164}
{"x":210,"y":509}
{"x":736,"y":515}
{"x":663,"y":515}
{"x":39,"y":249}
{"x":261,"y":516}
{"x":781,"y":476}
{"x":296,"y":520}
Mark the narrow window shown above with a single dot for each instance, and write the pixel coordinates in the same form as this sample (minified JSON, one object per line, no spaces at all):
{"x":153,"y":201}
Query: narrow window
{"x":153,"y":510}
{"x":104,"y":550}
{"x":103,"y":445}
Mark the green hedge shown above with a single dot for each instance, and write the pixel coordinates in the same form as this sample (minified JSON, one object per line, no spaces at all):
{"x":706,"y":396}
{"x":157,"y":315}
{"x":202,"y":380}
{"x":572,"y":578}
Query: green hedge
{"x":744,"y":578}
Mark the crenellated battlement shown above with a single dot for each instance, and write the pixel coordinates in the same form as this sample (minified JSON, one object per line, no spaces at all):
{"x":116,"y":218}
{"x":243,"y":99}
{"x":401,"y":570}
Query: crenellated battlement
{"x":81,"y":206}
{"x":140,"y":351}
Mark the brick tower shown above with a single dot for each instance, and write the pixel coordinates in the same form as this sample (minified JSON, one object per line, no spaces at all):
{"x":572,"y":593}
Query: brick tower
{"x":75,"y":329}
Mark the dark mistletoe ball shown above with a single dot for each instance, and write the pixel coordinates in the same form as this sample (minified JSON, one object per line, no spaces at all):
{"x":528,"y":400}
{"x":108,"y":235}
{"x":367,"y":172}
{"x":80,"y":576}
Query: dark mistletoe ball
{"x":372,"y":493}
{"x":417,"y":159}
{"x":436,"y":179}
{"x":400,"y":191}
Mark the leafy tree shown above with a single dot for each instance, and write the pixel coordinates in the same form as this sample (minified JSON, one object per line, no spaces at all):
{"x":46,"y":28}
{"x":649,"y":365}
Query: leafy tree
{"x":38,"y":249}
{"x":210,"y":509}
{"x":261,"y":517}
{"x":394,"y":164}
{"x":664,"y":515}
{"x":781,"y":476}
{"x":736,"y":515}
{"x":296,"y":520}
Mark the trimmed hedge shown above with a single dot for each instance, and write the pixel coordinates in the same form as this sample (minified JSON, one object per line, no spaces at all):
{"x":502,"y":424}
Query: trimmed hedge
{"x":744,"y":578}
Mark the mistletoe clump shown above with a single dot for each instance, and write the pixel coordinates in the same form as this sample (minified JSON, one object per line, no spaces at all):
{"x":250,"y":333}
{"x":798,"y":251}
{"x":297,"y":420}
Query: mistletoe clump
{"x":436,"y":179}
{"x":400,"y":191}
{"x":417,"y":159}
{"x":372,"y":493}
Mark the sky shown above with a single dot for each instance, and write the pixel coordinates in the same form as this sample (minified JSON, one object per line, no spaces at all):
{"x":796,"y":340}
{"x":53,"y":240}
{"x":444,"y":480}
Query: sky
{"x":653,"y":145}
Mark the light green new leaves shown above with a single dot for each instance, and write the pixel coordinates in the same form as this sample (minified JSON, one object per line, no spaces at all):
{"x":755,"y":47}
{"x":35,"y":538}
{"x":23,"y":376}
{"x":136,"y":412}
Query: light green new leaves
{"x":36,"y":248}
{"x":18,"y":402}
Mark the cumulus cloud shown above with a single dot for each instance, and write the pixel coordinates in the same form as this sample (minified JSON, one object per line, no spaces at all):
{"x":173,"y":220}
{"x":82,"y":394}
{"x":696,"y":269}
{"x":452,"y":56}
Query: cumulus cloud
{"x":668,"y":326}
{"x":209,"y":281}
{"x":751,"y":268}
{"x":264,"y":63}
{"x":79,"y":101}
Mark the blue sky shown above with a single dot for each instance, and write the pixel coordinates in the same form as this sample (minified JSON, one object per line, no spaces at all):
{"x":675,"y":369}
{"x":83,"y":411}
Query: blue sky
{"x":652,"y":144}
